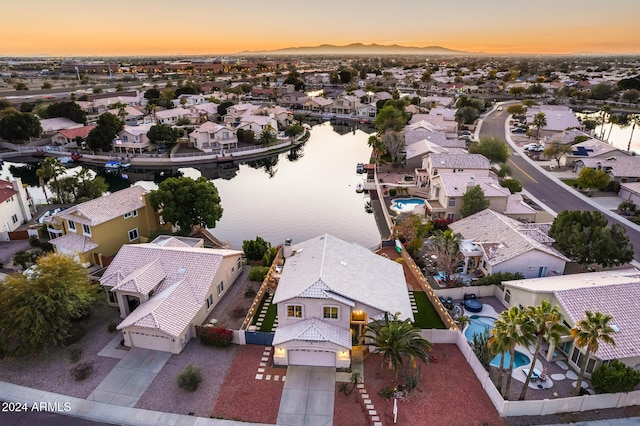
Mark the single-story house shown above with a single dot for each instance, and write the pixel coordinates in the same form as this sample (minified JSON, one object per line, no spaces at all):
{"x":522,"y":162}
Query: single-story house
{"x":72,"y":136}
{"x":328,"y":292}
{"x":164,"y":289}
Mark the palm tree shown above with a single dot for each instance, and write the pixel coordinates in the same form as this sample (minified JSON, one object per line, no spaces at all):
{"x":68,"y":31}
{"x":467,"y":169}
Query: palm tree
{"x":613,"y":119}
{"x":376,"y":144}
{"x":51,"y":168}
{"x":540,"y":121}
{"x":630,"y":120}
{"x":604,"y":113}
{"x":546,"y":321}
{"x":589,"y":332}
{"x":511,"y":328}
{"x":462,"y":321}
{"x":499,"y":344}
{"x":395,"y":340}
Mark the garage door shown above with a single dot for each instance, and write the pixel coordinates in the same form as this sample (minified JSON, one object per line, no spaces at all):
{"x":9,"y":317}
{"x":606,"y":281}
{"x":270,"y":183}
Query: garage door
{"x":156,"y":342}
{"x":315,"y":358}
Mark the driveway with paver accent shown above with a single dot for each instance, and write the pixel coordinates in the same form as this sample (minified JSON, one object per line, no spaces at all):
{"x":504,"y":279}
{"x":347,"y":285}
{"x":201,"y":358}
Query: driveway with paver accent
{"x":128,"y":380}
{"x":308,"y":396}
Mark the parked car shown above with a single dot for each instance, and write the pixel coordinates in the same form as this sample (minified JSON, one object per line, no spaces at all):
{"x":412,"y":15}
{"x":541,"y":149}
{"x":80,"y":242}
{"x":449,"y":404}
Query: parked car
{"x":538,"y":148}
{"x":519,"y":130}
{"x":530,"y":146}
{"x":465,"y":132}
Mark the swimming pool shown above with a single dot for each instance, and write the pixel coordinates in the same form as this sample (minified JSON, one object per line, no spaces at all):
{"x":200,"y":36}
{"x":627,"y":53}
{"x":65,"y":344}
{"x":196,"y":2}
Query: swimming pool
{"x":406,"y":205}
{"x":478,"y":325}
{"x":519,"y":359}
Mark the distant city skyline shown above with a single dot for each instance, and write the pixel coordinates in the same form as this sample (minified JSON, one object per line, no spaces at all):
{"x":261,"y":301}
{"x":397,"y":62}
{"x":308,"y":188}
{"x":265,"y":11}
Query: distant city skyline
{"x":199,"y":27}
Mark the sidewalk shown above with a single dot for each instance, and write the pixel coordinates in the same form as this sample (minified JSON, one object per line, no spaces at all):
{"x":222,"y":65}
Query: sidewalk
{"x":102,"y":412}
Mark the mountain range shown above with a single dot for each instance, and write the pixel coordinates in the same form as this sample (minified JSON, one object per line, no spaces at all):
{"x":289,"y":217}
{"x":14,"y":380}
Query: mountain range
{"x":360,"y":49}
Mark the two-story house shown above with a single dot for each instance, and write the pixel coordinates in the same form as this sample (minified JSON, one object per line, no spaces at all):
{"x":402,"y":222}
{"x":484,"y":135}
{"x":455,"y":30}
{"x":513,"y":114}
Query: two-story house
{"x":493,"y":242}
{"x":213,"y":137}
{"x":258,"y":124}
{"x":96,"y":229}
{"x":236,"y":113}
{"x":133,"y":139}
{"x":434,"y":164}
{"x":14,"y":207}
{"x":164,"y":289}
{"x":346,"y":104}
{"x":317,"y":104}
{"x":328,"y":292}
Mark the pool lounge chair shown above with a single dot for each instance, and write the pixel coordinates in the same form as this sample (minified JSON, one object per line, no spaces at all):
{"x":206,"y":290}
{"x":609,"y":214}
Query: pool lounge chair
{"x":535,"y":376}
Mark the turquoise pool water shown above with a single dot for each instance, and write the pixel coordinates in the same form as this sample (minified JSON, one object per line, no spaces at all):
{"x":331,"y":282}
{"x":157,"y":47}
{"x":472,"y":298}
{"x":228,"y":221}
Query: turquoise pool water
{"x":519,"y":359}
{"x":478,"y":325}
{"x":406,"y":205}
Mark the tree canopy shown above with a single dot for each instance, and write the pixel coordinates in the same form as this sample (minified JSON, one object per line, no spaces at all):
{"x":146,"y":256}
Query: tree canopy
{"x":37,"y":309}
{"x":585,"y":237}
{"x":255,"y":249}
{"x":70,"y":110}
{"x":592,"y":178}
{"x":391,"y":118}
{"x":188,"y":203}
{"x":557,"y":150}
{"x":494,"y":149}
{"x":473,"y":201}
{"x":101,"y":137}
{"x":81,"y":187}
{"x":18,"y":127}
{"x":163,"y":134}
{"x":51,"y":168}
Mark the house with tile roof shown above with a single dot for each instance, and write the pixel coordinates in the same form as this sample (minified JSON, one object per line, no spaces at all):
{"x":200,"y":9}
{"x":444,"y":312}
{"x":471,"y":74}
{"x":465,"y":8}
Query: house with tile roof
{"x":609,"y":292}
{"x":317,"y":104}
{"x":328,"y":291}
{"x":166,"y":288}
{"x":621,"y":168}
{"x":213,"y":137}
{"x":591,"y":148}
{"x":493,"y":242}
{"x":93,"y":231}
{"x":171,"y":116}
{"x":74,"y":137}
{"x":447,"y":191}
{"x":14,"y":207}
{"x":133,"y":139}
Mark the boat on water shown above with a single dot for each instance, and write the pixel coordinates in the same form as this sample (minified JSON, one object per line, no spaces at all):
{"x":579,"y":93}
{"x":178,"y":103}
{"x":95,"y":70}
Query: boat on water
{"x":66,"y":160}
{"x":116,"y":165}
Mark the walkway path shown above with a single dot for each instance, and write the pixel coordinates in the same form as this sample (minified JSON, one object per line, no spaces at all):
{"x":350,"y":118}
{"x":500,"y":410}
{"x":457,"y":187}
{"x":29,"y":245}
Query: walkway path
{"x":308,"y":396}
{"x":128,"y":380}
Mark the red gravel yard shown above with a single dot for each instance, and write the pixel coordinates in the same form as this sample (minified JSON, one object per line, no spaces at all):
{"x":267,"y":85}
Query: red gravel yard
{"x":245,"y":398}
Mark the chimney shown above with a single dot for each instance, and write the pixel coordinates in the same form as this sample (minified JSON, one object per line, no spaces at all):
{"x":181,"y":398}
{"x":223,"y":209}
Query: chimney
{"x":287,"y":248}
{"x":471,"y":183}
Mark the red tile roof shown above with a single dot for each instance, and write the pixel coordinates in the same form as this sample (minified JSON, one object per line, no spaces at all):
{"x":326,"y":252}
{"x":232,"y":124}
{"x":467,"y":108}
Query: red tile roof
{"x":78,"y":131}
{"x":6,"y":191}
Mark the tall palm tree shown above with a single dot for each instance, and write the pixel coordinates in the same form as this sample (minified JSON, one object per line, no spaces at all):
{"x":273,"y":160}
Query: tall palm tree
{"x":499,"y":344}
{"x":540,"y":121}
{"x":512,"y":328}
{"x":51,"y":168}
{"x":397,"y":340}
{"x":613,"y":119}
{"x":589,"y":332}
{"x":546,"y":321}
{"x":604,"y":113}
{"x":376,"y":144}
{"x":630,"y":120}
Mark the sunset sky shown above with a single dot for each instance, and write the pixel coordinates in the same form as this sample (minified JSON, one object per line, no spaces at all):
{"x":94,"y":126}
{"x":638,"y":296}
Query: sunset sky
{"x":195,"y":27}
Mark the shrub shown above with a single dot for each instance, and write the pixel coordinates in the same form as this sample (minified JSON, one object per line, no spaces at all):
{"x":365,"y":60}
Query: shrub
{"x":190,"y":378}
{"x":75,"y":353}
{"x":393,"y":192}
{"x":512,"y":185}
{"x":258,"y":273}
{"x":74,"y":334}
{"x":82,"y":371}
{"x":387,"y":393}
{"x":215,"y":336}
{"x":249,"y":291}
{"x":112,"y":327}
{"x":411,"y":377}
{"x":498,"y":278}
{"x":614,"y":377}
{"x":480,"y":347}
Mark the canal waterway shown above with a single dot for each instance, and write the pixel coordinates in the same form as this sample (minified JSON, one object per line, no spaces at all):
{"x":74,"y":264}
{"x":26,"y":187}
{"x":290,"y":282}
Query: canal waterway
{"x":297,"y":194}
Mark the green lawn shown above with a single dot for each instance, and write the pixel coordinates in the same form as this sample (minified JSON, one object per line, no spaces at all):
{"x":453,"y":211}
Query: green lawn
{"x":427,"y":317}
{"x":269,"y":318}
{"x":569,"y":182}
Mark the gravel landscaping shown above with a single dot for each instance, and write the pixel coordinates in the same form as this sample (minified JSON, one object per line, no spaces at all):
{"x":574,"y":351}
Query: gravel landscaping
{"x":51,"y":370}
{"x":164,"y":394}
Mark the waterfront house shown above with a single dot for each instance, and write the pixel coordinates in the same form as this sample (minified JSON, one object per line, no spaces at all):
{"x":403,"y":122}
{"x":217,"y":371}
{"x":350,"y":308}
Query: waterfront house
{"x":328,"y":292}
{"x":367,"y":112}
{"x":493,"y":242}
{"x":171,"y":116}
{"x":72,"y":138}
{"x":345,"y":104}
{"x":213,"y":137}
{"x":92,"y":231}
{"x":133,"y":139}
{"x":434,"y":164}
{"x":257,"y":124}
{"x":166,"y":288}
{"x":591,"y":148}
{"x":609,"y":292}
{"x":317,"y":104}
{"x":14,"y":207}
{"x":207,"y":111}
{"x":293,"y":99}
{"x":236,"y":113}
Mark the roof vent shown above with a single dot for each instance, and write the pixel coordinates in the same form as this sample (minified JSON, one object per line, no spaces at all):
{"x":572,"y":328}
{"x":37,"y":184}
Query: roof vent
{"x":614,"y":327}
{"x":343,"y":263}
{"x":182,"y":271}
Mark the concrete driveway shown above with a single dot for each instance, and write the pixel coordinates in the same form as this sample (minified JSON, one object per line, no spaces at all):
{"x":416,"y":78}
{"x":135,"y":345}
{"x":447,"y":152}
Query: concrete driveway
{"x":308,"y":396}
{"x":130,"y":378}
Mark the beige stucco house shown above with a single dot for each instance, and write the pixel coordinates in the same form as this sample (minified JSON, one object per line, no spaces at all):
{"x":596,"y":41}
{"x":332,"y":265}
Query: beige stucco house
{"x":164,"y":289}
{"x":213,"y":137}
{"x":328,"y":292}
{"x":14,"y":207}
{"x":609,"y":292}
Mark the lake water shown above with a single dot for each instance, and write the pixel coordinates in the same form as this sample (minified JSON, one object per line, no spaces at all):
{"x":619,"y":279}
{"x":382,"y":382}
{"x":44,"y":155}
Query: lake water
{"x":278,"y":199}
{"x":617,"y":136}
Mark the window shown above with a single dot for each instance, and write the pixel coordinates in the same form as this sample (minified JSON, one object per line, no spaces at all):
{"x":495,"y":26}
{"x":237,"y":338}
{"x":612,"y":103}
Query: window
{"x":112,"y":297}
{"x":220,"y":287}
{"x":452,"y":202}
{"x":210,"y":301}
{"x":437,"y":193}
{"x":125,"y":138}
{"x":14,"y":218}
{"x":294,"y":311}
{"x":330,"y":312}
{"x":239,"y":262}
{"x":86,"y":230}
{"x":72,"y":225}
{"x":507,"y":296}
{"x":133,"y":213}
{"x":451,"y":216}
{"x":133,"y":234}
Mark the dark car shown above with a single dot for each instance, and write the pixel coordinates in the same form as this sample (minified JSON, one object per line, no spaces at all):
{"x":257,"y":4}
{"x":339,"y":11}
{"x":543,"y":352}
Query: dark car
{"x":518,"y":130}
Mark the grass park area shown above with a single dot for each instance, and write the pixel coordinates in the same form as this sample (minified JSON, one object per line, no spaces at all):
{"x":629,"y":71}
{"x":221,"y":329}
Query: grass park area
{"x":427,"y":317}
{"x":269,"y":318}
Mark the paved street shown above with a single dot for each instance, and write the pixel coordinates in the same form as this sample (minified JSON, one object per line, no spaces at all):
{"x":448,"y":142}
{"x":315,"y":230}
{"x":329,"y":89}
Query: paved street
{"x":549,"y":191}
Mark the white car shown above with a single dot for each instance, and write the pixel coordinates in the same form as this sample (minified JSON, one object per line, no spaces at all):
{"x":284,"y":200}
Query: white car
{"x":531,"y":147}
